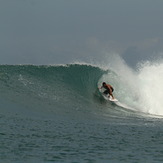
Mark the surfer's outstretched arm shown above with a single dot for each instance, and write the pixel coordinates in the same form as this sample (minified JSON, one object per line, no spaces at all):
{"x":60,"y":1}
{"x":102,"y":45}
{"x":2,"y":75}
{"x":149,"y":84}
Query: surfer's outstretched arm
{"x":100,"y":87}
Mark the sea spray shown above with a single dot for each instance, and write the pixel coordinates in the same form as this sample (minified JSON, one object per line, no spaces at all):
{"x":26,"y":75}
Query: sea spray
{"x":150,"y":80}
{"x":140,"y":89}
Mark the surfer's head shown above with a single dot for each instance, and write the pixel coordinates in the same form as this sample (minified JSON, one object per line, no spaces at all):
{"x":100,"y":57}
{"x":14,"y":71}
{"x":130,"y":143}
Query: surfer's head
{"x":103,"y":83}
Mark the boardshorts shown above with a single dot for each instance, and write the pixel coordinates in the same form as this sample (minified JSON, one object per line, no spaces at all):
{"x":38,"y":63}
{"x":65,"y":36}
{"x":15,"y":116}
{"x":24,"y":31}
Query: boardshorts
{"x":108,"y":91}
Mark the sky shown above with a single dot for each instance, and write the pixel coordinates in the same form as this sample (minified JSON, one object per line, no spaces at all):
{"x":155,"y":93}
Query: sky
{"x":64,"y":31}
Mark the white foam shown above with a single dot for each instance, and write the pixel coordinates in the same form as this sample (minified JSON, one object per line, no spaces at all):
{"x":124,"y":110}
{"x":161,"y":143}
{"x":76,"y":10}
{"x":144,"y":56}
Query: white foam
{"x":150,"y":79}
{"x":141,"y":89}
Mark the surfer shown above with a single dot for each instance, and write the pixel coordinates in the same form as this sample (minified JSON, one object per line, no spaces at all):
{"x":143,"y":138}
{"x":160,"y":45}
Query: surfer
{"x":109,"y":89}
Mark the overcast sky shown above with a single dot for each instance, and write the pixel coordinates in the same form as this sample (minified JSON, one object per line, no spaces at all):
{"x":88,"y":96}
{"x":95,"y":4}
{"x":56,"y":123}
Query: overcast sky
{"x":62,"y":31}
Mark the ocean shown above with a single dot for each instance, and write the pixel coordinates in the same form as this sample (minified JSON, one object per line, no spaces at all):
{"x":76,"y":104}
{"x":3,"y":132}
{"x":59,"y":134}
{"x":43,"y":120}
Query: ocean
{"x":56,"y":114}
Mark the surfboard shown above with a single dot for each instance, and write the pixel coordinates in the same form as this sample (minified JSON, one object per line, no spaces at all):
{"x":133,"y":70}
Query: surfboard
{"x":107,"y":97}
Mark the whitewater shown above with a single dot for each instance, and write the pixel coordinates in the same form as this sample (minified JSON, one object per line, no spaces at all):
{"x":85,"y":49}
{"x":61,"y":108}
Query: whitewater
{"x":139,"y":89}
{"x":55,"y":113}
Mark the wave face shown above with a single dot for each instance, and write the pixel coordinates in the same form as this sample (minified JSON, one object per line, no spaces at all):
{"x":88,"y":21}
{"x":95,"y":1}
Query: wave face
{"x":48,"y":89}
{"x":72,"y":89}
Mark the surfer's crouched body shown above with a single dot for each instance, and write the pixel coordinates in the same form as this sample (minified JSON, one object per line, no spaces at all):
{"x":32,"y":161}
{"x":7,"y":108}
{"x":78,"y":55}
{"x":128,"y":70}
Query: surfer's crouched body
{"x":109,"y":89}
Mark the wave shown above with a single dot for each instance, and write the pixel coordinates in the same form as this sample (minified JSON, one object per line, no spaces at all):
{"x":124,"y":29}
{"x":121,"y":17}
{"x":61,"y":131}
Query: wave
{"x":59,"y":89}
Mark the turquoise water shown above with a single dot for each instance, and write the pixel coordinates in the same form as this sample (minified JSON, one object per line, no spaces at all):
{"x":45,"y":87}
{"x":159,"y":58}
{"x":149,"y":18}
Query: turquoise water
{"x":56,"y":114}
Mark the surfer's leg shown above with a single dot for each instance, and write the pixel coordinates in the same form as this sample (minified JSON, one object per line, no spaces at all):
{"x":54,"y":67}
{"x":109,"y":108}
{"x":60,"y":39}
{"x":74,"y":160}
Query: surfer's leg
{"x":112,"y":89}
{"x":109,"y":93}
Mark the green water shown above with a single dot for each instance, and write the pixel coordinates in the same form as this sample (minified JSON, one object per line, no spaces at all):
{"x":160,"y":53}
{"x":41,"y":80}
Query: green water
{"x":77,"y":140}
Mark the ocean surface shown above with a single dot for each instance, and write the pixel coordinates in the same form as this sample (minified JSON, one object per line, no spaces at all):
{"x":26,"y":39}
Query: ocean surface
{"x":56,"y":114}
